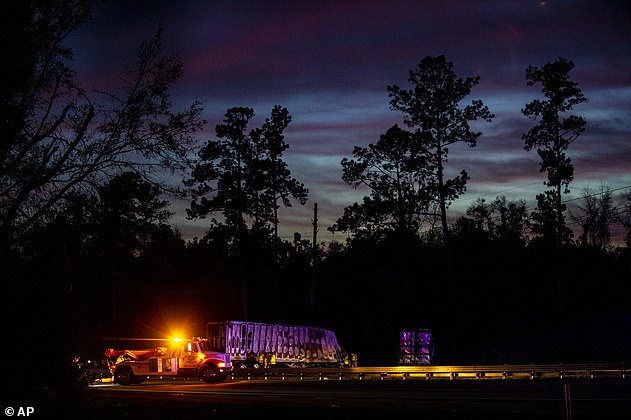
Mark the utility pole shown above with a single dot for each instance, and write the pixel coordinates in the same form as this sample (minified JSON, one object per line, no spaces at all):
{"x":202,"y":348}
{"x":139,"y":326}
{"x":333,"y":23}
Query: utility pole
{"x":314,"y":254}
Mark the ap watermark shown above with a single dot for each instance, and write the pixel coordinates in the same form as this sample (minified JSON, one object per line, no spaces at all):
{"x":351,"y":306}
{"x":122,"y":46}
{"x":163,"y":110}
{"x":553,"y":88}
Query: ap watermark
{"x":19,"y":411}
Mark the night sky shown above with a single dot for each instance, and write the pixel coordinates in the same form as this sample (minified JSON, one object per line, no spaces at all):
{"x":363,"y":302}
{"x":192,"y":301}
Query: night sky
{"x":330,"y":62}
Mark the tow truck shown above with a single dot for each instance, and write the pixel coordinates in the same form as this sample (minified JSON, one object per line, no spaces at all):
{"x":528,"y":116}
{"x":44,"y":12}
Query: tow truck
{"x":179,"y":358}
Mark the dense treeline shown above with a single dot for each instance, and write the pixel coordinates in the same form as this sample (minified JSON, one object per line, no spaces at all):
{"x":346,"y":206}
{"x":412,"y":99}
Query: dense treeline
{"x":508,"y":306}
{"x":87,"y":250}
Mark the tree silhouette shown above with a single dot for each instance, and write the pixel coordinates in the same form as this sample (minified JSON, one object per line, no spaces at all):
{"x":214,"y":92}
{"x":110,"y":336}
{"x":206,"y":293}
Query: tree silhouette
{"x":432,"y":109}
{"x":502,"y":220}
{"x":551,"y":137}
{"x":56,"y":138}
{"x":222,"y":172}
{"x":395,"y":170}
{"x":242,"y":175}
{"x":595,"y":217}
{"x":623,"y":216}
{"x":129,"y":210}
{"x":272,"y":178}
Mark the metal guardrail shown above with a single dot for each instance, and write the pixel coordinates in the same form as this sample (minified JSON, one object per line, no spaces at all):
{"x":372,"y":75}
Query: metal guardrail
{"x":475,"y":372}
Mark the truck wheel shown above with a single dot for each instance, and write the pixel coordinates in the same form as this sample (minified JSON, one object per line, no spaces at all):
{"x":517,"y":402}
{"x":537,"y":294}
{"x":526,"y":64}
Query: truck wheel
{"x":209,"y":374}
{"x":124,"y":375}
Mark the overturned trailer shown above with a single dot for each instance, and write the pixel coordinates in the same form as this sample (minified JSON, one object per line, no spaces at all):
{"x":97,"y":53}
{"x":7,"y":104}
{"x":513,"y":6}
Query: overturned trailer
{"x":254,"y":344}
{"x":415,"y":347}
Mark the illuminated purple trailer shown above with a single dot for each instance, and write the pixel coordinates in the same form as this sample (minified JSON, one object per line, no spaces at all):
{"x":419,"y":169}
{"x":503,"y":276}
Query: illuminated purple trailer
{"x":415,"y":346}
{"x":253,"y":344}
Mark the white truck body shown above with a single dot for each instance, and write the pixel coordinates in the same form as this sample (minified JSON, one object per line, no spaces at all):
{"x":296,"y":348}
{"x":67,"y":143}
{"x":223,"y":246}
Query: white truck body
{"x":289,"y":345}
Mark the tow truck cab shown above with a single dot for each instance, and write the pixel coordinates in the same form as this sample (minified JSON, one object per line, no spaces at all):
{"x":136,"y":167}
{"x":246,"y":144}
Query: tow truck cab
{"x":182,"y":358}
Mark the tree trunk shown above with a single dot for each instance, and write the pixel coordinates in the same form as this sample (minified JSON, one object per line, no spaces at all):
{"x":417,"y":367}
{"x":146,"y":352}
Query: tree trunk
{"x":451,"y":278}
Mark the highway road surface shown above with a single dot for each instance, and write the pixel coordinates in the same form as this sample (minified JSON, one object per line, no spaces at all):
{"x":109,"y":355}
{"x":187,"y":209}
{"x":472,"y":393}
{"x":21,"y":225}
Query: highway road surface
{"x":332,"y":399}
